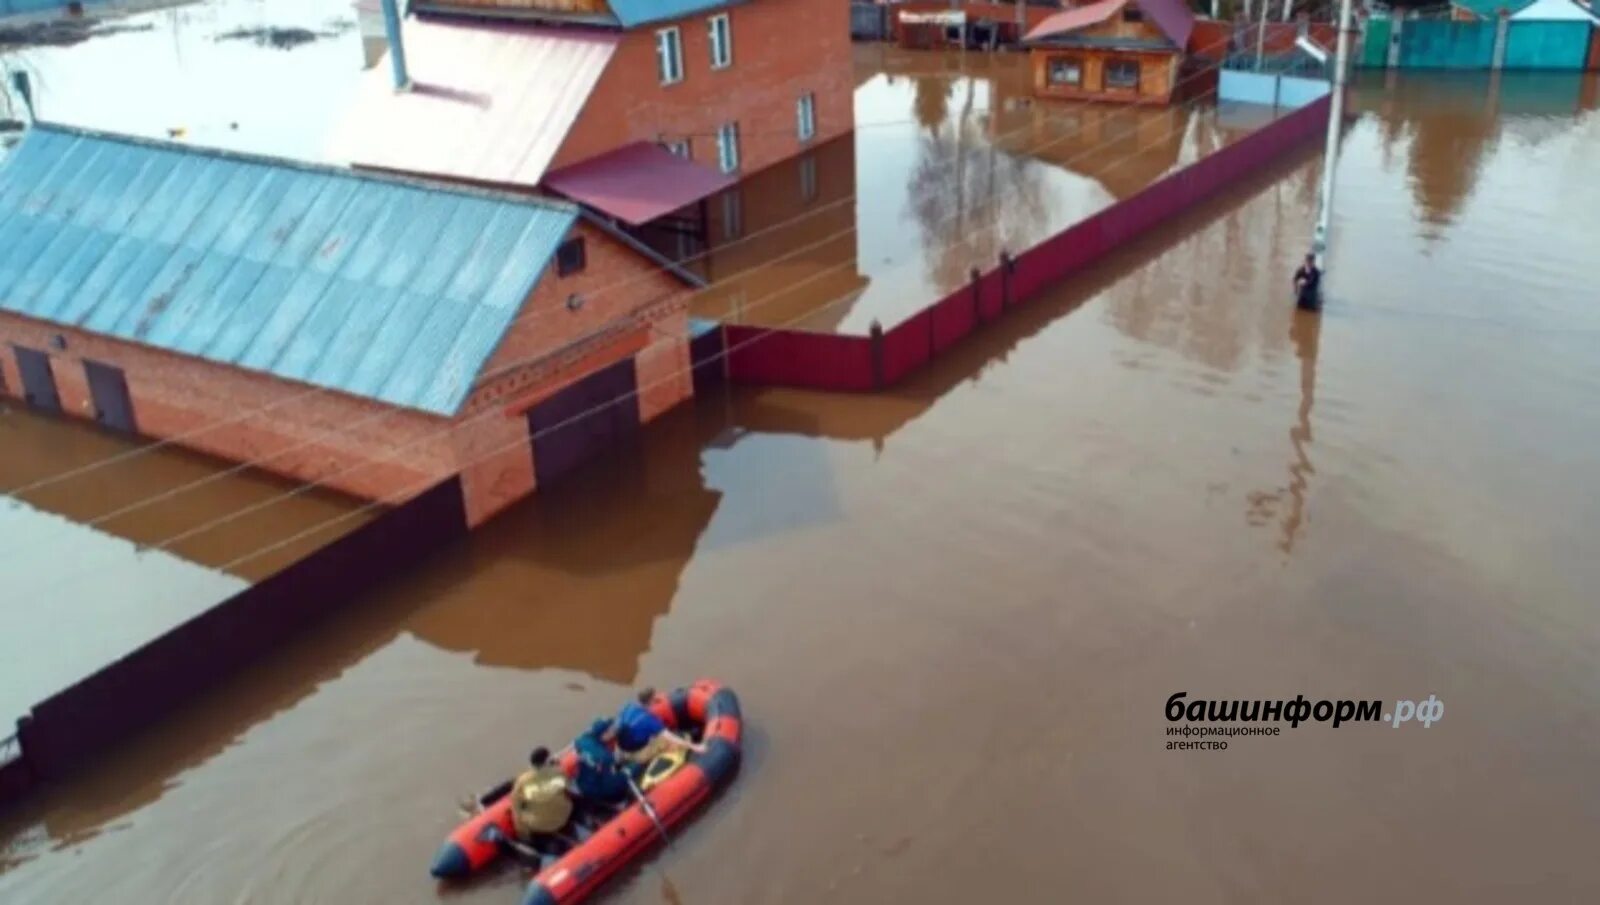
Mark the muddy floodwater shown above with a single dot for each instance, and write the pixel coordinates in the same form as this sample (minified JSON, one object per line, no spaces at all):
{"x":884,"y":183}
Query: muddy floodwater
{"x":104,"y":547}
{"x":955,"y":612}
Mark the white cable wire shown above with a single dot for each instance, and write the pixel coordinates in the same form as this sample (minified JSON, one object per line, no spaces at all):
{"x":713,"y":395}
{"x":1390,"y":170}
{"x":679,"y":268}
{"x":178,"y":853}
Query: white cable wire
{"x":519,"y":443}
{"x":323,"y":481}
{"x":180,"y":438}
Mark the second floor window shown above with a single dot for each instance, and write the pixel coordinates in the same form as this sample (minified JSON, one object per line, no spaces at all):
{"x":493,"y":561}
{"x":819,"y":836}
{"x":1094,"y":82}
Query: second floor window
{"x":570,"y":257}
{"x":721,"y":42}
{"x":669,"y":56}
{"x":806,"y":116}
{"x":728,"y":147}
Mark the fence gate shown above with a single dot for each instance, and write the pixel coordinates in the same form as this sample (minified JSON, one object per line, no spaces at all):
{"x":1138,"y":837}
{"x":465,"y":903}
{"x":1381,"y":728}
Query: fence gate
{"x":584,"y":420}
{"x":109,"y":390}
{"x":38,"y":381}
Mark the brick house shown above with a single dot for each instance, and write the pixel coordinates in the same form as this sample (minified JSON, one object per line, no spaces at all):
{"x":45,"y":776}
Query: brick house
{"x":519,"y":93}
{"x":1129,"y":51}
{"x":369,"y":333}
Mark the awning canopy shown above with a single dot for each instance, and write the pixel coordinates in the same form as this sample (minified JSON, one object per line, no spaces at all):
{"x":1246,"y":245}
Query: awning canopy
{"x":637,"y":183}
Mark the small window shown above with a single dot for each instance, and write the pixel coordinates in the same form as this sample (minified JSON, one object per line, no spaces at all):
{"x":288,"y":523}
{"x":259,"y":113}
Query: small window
{"x":805,"y":112}
{"x":570,"y":256}
{"x":1122,"y":74}
{"x":679,"y":147}
{"x":1132,"y":13}
{"x":728,"y":147}
{"x":1066,"y":71}
{"x":669,"y":56}
{"x":721,"y":42}
{"x":732,"y":214}
{"x":808,"y":178}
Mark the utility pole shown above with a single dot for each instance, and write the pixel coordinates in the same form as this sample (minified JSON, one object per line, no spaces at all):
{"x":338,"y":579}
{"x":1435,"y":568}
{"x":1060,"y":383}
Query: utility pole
{"x":1330,"y":157}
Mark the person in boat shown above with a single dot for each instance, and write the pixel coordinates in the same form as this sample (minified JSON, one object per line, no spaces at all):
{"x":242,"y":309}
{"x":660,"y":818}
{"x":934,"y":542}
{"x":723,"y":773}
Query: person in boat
{"x":1307,"y":283}
{"x":540,"y":807}
{"x":642,"y":736}
{"x":599,"y":781}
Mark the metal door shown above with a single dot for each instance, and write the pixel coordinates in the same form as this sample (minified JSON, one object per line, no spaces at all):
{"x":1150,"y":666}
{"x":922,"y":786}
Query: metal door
{"x":109,"y":390}
{"x":38,"y":382}
{"x":583,"y":420}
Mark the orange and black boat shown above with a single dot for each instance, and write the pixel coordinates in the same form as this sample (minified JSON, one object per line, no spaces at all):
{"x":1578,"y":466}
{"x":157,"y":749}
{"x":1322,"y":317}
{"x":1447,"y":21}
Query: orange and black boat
{"x":705,"y":711}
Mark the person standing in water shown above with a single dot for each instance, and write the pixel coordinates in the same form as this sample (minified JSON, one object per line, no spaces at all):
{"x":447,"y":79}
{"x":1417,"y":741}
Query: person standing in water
{"x":1308,"y":284}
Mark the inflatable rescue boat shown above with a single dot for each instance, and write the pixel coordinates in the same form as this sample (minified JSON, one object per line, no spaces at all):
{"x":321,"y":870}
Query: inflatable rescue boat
{"x":674,"y":787}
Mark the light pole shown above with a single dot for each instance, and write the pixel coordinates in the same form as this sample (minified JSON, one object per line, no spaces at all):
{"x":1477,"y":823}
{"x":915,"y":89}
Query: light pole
{"x":1330,"y":157}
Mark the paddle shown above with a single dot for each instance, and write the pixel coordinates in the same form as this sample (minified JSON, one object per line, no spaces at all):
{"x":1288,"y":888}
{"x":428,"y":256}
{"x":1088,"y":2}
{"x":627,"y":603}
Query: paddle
{"x":644,"y":802}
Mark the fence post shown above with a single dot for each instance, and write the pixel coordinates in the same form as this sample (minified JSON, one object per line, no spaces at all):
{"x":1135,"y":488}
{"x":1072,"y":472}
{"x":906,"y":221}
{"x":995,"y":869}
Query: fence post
{"x":1397,"y":22}
{"x":875,"y":337}
{"x":977,"y":296}
{"x":1502,"y":29}
{"x":1008,"y":266}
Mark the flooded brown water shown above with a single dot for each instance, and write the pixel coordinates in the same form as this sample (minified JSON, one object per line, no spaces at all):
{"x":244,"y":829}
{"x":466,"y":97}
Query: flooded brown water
{"x":95,"y":564}
{"x":954,"y":613}
{"x":952,"y":162}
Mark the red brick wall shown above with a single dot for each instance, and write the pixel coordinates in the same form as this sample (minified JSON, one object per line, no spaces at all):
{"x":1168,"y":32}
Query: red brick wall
{"x":322,"y":436}
{"x":781,"y":50}
{"x":372,"y":450}
{"x":550,"y":345}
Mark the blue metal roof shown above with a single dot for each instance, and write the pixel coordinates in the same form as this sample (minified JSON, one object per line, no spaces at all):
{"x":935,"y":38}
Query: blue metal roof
{"x":633,"y":13}
{"x":381,"y":288}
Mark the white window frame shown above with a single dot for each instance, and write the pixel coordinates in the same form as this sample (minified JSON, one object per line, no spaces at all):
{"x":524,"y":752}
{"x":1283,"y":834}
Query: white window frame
{"x":728,"y":147}
{"x":805,"y":114}
{"x":721,"y":40}
{"x":669,"y":55}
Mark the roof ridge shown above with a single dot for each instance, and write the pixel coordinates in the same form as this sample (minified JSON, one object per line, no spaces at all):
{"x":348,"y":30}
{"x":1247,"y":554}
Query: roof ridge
{"x":331,"y":169}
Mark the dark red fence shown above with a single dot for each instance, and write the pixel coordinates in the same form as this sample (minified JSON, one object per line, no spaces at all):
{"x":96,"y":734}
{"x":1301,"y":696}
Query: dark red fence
{"x":799,"y":358}
{"x":92,"y":716}
{"x":826,"y":361}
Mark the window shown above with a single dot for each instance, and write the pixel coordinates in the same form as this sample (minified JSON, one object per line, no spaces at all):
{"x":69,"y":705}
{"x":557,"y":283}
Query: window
{"x":679,"y":147}
{"x":808,"y":178}
{"x":1122,"y":74}
{"x":728,"y":147}
{"x":1132,"y":13}
{"x":732,"y":214}
{"x":1066,"y":71}
{"x":805,"y":113}
{"x":669,"y":56}
{"x":570,"y":257}
{"x":721,"y":42}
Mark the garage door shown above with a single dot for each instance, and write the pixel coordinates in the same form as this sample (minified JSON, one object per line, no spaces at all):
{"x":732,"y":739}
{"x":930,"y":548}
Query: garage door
{"x":584,"y":420}
{"x":38,"y":381}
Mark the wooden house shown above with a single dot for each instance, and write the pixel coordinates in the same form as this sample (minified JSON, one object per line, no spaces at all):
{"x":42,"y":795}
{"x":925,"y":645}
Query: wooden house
{"x":1129,"y":51}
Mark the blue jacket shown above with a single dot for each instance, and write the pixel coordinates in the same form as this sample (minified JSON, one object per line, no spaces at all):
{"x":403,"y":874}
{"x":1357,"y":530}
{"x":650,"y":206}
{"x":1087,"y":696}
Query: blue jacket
{"x":598,"y":778}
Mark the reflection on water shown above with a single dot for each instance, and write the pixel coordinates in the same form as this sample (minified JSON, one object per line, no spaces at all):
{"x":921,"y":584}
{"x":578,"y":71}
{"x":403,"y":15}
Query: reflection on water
{"x":992,"y":579}
{"x":258,"y":76}
{"x":951,"y":162}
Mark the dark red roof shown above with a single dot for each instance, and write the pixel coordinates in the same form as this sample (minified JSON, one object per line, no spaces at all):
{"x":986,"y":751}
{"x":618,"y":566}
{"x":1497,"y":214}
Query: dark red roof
{"x":637,"y":183}
{"x":1171,"y":16}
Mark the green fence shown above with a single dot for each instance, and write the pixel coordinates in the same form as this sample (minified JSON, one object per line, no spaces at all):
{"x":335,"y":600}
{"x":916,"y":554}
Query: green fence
{"x":1547,"y":45}
{"x":1446,"y":44}
{"x":1375,"y":44}
{"x":1442,"y":44}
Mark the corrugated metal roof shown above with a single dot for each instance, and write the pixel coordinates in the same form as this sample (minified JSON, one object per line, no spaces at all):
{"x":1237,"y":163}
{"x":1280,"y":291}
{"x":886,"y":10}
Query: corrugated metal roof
{"x":377,"y":287}
{"x":1172,"y":17}
{"x":633,"y":13}
{"x":637,"y":183}
{"x":490,"y":102}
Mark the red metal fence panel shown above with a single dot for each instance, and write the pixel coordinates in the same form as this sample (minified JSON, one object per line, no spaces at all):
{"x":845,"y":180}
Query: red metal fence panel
{"x":798,"y":358}
{"x":953,"y":317}
{"x":830,"y":362}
